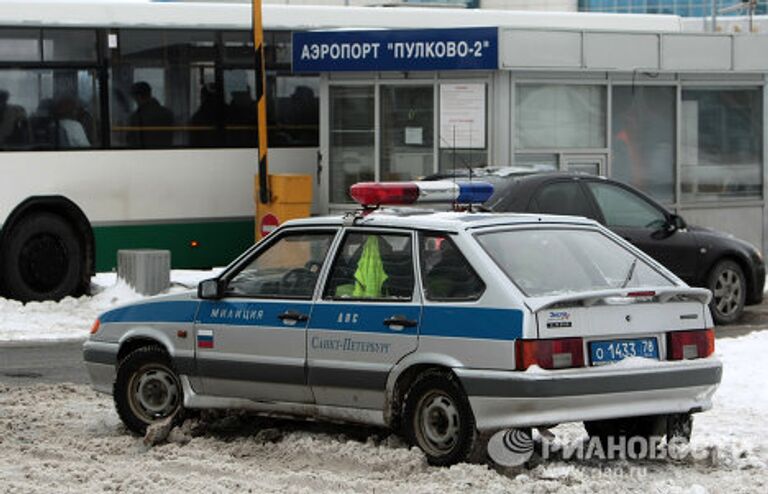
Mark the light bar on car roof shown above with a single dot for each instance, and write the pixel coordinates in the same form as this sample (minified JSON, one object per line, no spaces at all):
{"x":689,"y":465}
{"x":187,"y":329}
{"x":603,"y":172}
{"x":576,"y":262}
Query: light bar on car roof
{"x":371,"y":194}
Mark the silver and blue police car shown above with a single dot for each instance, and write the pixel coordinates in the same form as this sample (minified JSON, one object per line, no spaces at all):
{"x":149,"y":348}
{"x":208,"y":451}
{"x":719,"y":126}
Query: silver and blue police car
{"x":444,"y":326}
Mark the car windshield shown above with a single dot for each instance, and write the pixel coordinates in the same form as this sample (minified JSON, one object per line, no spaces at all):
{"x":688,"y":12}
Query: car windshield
{"x":545,"y":262}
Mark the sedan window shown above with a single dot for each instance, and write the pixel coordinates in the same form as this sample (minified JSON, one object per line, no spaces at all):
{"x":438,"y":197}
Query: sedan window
{"x":562,"y":197}
{"x":623,"y":208}
{"x":549,"y":262}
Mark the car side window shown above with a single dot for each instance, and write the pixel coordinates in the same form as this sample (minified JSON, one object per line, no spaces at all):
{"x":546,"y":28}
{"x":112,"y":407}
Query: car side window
{"x":372,"y":266}
{"x":566,"y":198}
{"x":445,"y":272}
{"x":621,"y":207}
{"x":288,"y":268}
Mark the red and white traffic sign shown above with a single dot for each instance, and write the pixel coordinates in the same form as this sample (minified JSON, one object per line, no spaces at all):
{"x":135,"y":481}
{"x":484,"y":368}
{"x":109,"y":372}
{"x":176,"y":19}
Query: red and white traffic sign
{"x":269,"y":223}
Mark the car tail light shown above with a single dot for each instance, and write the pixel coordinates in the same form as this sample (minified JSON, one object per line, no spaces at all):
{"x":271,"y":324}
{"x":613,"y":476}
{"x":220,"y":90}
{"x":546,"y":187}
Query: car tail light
{"x":685,"y":345}
{"x":96,"y":326}
{"x":550,"y":354}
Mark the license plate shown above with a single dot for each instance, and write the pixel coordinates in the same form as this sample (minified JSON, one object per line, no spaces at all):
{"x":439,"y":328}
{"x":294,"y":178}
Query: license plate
{"x":605,"y":352}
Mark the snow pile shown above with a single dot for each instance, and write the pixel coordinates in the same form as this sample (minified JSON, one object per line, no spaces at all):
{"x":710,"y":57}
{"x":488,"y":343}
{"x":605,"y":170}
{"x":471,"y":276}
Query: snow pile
{"x":71,"y":318}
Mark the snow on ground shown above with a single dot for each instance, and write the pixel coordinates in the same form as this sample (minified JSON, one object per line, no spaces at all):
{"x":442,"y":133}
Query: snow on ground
{"x":71,"y":318}
{"x":67,"y":438}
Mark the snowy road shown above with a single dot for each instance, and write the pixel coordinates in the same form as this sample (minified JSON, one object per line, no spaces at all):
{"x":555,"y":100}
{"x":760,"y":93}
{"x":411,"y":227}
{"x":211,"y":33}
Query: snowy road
{"x":59,"y":438}
{"x":66,"y":438}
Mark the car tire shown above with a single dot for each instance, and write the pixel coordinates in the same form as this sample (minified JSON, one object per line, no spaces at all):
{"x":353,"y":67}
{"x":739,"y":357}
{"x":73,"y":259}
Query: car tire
{"x":42,"y":259}
{"x":728,"y":285}
{"x":438,"y":418}
{"x":613,"y":433}
{"x":147,"y":389}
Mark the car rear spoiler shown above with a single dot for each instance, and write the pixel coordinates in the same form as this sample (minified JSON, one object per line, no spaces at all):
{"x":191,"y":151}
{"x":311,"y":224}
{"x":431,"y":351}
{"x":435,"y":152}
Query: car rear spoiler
{"x":586,"y":299}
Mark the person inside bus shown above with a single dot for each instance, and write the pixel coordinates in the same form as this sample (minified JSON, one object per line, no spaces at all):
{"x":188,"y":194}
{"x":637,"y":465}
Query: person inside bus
{"x":14,"y":127}
{"x":151,"y":122}
{"x":204,"y":123}
{"x":71,"y":133}
{"x":241,"y":119}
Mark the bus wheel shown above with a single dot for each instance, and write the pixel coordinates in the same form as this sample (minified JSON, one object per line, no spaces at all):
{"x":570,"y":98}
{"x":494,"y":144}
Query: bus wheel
{"x":42,"y":259}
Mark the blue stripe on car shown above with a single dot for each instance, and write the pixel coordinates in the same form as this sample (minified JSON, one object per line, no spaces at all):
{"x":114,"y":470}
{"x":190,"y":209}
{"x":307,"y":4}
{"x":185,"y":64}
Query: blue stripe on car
{"x":362,"y":318}
{"x":439,"y":321}
{"x":250,"y":313}
{"x":176,"y":311}
{"x":471,"y":322}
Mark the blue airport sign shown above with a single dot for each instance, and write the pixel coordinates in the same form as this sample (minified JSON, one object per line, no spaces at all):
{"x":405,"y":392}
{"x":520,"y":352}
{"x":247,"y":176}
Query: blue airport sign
{"x":398,"y":50}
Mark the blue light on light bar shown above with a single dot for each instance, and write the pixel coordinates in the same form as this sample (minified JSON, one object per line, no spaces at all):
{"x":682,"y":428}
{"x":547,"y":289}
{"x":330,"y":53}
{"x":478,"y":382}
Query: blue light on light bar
{"x":474,"y":192}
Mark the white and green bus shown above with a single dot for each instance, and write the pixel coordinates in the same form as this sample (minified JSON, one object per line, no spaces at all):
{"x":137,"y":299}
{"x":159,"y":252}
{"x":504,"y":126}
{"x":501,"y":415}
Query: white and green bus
{"x":132,"y":124}
{"x":127,"y":125}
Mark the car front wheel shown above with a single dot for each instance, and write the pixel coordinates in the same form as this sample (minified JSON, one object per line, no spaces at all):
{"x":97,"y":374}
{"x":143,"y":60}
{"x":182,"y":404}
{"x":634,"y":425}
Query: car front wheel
{"x":147,"y":389}
{"x":729,"y":290}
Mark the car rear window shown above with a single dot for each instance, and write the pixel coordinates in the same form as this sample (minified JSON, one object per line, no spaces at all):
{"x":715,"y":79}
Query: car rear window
{"x":545,"y":262}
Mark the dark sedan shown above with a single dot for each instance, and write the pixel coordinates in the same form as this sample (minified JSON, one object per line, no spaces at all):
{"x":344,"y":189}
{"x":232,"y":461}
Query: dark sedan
{"x":731,"y":268}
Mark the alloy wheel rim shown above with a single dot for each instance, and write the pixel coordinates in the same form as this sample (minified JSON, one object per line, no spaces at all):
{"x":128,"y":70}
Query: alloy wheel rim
{"x":727,"y":292}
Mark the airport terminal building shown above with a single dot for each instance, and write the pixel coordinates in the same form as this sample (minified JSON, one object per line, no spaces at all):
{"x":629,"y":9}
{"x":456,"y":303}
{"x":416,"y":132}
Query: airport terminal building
{"x":679,"y":115}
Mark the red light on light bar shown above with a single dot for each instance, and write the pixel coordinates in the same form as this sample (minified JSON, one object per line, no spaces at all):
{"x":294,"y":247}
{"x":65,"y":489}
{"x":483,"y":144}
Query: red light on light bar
{"x":377,"y":193}
{"x":685,"y":345}
{"x":550,"y":354}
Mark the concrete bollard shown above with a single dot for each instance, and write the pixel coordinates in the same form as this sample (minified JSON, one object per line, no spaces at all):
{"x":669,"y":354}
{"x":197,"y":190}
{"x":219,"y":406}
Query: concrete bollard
{"x":148,"y":271}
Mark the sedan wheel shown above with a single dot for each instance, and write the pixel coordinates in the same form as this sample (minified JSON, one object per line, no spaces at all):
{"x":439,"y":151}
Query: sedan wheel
{"x":728,"y":286}
{"x":147,"y":389}
{"x":439,"y":420}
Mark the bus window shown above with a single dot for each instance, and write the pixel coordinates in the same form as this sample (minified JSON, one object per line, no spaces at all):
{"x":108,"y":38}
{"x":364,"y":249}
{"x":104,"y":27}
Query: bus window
{"x":69,"y":45}
{"x":163,"y":91}
{"x":20,"y":45}
{"x":49,"y":109}
{"x":293,"y":102}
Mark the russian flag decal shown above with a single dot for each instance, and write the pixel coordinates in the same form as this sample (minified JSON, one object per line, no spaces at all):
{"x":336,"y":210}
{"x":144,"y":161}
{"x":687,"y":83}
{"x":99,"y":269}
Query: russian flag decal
{"x":204,"y":338}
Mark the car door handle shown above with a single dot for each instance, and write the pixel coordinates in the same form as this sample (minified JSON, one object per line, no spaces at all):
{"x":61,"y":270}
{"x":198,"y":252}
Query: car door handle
{"x":292,"y":317}
{"x":401,"y":321}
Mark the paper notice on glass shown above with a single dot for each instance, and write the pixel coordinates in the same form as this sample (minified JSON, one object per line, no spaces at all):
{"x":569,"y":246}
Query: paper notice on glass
{"x":462,"y":116}
{"x":414,"y":136}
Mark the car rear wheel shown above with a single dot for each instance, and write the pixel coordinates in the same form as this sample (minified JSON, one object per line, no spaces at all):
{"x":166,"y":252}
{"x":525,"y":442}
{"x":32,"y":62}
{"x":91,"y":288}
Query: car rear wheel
{"x":147,"y":389}
{"x":729,"y":290}
{"x":438,"y":419}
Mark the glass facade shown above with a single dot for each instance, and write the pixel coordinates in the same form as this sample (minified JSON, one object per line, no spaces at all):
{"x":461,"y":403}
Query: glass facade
{"x":352,"y":135}
{"x":469,"y":4}
{"x":722,"y":143}
{"x":412,"y":129}
{"x":560,"y":116}
{"x":407,"y":132}
{"x":643,"y":138}
{"x":687,"y":8}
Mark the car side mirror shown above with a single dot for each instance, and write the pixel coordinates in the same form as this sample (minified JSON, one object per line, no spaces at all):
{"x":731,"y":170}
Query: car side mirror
{"x":676,"y":222}
{"x":209,"y":289}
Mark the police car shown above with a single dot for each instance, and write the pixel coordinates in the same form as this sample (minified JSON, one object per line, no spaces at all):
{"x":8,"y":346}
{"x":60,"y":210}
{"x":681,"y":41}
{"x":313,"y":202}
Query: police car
{"x":444,"y":326}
